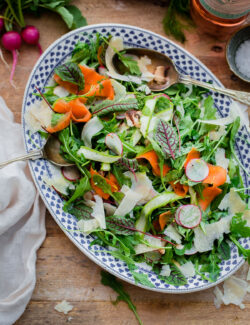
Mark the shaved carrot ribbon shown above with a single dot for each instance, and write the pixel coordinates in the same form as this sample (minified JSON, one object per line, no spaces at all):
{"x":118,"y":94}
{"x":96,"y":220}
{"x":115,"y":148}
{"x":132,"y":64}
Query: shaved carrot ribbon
{"x":95,"y":84}
{"x":73,"y":109}
{"x":179,"y":188}
{"x":209,"y":194}
{"x":191,"y":155}
{"x":163,"y":219}
{"x":111,"y":180}
{"x":153,"y":159}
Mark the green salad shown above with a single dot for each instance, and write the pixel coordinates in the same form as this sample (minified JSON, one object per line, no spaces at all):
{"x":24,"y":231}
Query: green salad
{"x":156,"y":175}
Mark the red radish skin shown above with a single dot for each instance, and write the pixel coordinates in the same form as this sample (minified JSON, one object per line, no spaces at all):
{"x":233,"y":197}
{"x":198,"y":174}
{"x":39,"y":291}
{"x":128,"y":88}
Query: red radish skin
{"x":71,"y":173}
{"x":162,"y":95}
{"x":12,"y":42}
{"x":190,"y":169}
{"x":180,"y":216}
{"x":31,"y":35}
{"x":177,"y":216}
{"x":1,"y":24}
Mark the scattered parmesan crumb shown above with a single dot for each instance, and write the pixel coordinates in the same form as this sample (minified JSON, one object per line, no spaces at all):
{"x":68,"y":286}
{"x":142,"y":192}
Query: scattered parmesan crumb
{"x":235,"y":290}
{"x":165,"y":271}
{"x":63,"y":307}
{"x":70,"y":319}
{"x":187,"y":269}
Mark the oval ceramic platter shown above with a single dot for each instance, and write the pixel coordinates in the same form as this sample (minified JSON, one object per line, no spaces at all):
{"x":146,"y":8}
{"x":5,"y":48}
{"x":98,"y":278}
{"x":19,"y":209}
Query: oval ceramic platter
{"x":187,"y":64}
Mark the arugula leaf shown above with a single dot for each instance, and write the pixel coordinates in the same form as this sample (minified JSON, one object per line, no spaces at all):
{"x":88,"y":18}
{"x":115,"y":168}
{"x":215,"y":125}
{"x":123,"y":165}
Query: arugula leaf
{"x":121,"y":256}
{"x":80,"y":211}
{"x":56,"y":118}
{"x":121,"y":179}
{"x":142,"y":278}
{"x":242,"y":250}
{"x":81,"y":189}
{"x":71,"y":72}
{"x":110,"y":281}
{"x":130,"y":63}
{"x":173,"y":175}
{"x":175,"y":278}
{"x":238,"y":226}
{"x":166,"y":137}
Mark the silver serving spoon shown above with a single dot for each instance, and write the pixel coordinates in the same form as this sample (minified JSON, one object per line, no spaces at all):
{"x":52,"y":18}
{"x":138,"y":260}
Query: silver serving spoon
{"x":50,"y":151}
{"x":172,"y":76}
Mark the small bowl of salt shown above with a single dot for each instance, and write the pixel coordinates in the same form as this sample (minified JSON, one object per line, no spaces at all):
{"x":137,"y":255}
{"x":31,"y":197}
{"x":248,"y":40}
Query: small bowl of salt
{"x":238,"y":53}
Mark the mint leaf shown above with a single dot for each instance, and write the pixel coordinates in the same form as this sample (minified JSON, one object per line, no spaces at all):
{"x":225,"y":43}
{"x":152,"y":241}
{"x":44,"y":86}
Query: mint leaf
{"x":110,"y":281}
{"x":71,"y":72}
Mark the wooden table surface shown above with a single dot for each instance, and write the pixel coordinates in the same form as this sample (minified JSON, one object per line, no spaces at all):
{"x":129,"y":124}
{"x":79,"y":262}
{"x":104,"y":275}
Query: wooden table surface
{"x":63,"y":272}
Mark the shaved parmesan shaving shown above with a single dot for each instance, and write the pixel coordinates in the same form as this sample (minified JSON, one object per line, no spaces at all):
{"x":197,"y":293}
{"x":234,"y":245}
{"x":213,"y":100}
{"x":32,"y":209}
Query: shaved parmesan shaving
{"x":165,"y":271}
{"x":204,"y":242}
{"x":236,"y":204}
{"x":224,"y":205}
{"x":109,"y":209}
{"x":60,"y":91}
{"x":172,"y":233}
{"x":60,"y":183}
{"x":142,"y":185}
{"x":221,"y":159}
{"x":142,"y":62}
{"x":88,"y":226}
{"x":216,"y":135}
{"x":91,"y":128}
{"x":128,"y":203}
{"x":241,"y":110}
{"x":63,"y":307}
{"x":38,"y":115}
{"x":155,"y":243}
{"x":98,"y":212}
{"x":235,"y":290}
{"x":187,"y":269}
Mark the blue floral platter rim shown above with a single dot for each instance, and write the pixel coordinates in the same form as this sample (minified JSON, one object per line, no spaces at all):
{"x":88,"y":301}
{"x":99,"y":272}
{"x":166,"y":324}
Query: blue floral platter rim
{"x":187,"y":64}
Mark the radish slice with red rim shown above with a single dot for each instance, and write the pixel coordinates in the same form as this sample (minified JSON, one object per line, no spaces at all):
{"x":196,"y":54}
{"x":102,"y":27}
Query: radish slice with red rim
{"x":177,"y":216}
{"x":189,"y":216}
{"x":71,"y":173}
{"x":114,"y":143}
{"x":197,"y":170}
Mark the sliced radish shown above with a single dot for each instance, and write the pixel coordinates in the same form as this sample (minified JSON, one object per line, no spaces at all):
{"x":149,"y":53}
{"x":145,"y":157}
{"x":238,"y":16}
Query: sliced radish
{"x":177,"y":216}
{"x":197,"y":170}
{"x":71,"y":173}
{"x":114,"y":143}
{"x":162,"y":95}
{"x":189,"y":216}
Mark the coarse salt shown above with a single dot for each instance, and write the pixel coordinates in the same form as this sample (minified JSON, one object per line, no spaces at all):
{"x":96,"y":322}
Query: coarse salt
{"x":242,"y":58}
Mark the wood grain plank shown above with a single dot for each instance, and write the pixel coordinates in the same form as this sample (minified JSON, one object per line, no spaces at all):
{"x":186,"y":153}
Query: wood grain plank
{"x":104,"y":313}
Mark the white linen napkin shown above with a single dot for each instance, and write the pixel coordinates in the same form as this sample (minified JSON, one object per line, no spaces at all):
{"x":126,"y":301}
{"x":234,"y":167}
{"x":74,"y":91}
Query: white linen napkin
{"x":22,"y":223}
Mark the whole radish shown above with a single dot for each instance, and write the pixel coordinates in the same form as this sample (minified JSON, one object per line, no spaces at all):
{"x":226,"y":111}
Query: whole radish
{"x":1,"y":24}
{"x":12,"y":41}
{"x":31,"y":35}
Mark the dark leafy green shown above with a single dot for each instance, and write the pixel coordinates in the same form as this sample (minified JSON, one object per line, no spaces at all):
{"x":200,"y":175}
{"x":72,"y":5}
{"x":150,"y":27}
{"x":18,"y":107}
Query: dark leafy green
{"x":71,"y":72}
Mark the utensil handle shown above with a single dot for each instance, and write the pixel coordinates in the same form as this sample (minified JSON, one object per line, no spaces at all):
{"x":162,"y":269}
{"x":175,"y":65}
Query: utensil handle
{"x":241,"y":96}
{"x":36,"y":154}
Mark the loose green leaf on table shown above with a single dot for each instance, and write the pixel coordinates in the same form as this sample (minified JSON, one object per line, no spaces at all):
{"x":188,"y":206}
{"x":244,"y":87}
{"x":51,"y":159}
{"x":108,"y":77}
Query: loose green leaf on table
{"x":110,"y":281}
